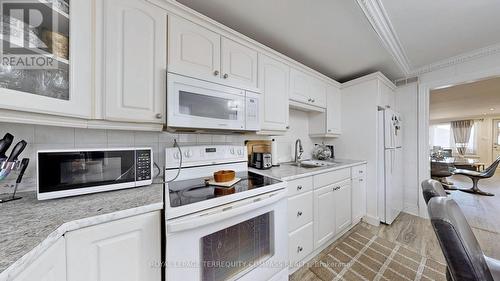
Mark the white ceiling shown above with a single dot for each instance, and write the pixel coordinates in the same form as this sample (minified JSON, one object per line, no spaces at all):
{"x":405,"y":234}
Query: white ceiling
{"x":333,"y":37}
{"x":466,"y":100}
{"x":431,"y":30}
{"x":345,"y":39}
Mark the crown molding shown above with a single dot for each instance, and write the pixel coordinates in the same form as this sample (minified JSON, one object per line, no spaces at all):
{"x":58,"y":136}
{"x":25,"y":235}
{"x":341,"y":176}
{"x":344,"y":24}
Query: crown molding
{"x":378,"y":18}
{"x":462,"y":58}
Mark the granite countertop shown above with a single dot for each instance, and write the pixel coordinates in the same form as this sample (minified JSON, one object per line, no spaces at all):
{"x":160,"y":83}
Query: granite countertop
{"x":28,"y":226}
{"x":290,"y":172}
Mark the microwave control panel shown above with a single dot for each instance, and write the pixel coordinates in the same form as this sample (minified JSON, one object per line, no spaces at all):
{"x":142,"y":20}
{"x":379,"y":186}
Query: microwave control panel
{"x":143,"y":165}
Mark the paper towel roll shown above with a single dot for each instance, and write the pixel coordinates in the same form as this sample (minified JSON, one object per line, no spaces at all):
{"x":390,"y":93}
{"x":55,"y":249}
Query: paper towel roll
{"x":274,"y":153}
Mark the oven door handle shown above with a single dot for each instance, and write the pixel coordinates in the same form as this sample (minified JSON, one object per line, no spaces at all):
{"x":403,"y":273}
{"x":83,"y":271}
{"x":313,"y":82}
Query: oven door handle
{"x":228,"y":211}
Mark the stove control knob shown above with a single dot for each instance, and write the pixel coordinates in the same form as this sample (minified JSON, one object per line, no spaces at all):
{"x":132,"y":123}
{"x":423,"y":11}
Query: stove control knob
{"x":188,"y":153}
{"x":240,"y":152}
{"x":231,"y":150}
{"x":176,"y":155}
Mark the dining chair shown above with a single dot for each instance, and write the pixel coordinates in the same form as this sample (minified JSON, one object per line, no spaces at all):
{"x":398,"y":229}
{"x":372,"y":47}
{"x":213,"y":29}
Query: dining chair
{"x":464,"y":258}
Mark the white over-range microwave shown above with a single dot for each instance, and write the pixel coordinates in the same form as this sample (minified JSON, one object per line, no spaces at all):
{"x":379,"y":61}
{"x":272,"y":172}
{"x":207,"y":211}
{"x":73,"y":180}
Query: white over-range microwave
{"x":197,"y":104}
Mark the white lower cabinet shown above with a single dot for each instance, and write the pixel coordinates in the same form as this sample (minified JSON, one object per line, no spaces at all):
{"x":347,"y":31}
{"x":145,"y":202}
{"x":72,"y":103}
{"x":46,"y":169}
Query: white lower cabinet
{"x":300,"y":243}
{"x":50,"y":266}
{"x":127,"y":250}
{"x":343,"y":206}
{"x":321,"y":208}
{"x":358,"y":185}
{"x":324,"y":214}
{"x":300,"y":210}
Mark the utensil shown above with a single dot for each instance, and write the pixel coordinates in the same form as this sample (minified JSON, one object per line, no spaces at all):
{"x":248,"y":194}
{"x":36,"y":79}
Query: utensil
{"x":4,"y":145}
{"x":16,"y":151}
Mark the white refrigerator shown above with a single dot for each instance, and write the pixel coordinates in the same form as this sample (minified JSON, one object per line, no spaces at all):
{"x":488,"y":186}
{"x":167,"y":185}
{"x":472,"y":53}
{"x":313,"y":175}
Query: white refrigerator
{"x":390,"y":175}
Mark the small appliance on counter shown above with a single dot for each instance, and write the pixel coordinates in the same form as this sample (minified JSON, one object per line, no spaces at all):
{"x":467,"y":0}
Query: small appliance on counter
{"x":260,"y":154}
{"x":261,"y":160}
{"x":323,"y":152}
{"x":11,"y":164}
{"x":63,"y":173}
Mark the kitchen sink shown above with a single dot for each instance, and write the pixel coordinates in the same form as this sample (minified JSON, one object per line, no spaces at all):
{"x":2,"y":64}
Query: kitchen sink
{"x":312,"y":164}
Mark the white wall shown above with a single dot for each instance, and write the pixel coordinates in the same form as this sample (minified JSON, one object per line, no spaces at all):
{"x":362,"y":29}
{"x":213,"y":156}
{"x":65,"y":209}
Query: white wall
{"x":299,"y":128}
{"x":48,"y":137}
{"x":406,"y":104}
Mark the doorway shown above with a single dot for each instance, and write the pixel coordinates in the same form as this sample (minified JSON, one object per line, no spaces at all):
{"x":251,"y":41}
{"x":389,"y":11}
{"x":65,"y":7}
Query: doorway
{"x":496,"y":139}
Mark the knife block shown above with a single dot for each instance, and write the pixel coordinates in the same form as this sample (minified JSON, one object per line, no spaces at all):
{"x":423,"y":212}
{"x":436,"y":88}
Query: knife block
{"x":8,"y":170}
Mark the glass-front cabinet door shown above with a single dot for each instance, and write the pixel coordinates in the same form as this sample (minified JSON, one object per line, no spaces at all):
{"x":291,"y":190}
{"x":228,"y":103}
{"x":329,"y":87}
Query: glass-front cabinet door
{"x":46,"y":56}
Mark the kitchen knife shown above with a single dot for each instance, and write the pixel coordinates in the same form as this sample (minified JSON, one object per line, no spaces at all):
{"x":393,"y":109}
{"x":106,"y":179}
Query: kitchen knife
{"x":18,"y":149}
{"x":5,"y":144}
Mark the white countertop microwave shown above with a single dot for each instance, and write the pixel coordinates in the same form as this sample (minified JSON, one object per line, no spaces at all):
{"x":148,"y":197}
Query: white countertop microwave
{"x":70,"y":172}
{"x":197,"y":104}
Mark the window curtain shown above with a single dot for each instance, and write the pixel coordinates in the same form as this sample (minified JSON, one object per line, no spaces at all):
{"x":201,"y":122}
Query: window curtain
{"x":461,"y":133}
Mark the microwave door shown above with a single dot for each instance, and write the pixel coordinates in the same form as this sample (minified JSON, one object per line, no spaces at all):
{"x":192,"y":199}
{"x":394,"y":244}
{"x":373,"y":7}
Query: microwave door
{"x":198,"y":104}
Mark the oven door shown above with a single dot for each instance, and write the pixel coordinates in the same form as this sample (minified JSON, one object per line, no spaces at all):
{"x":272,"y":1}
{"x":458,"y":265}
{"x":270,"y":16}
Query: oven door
{"x":193,"y":103}
{"x":245,"y":240}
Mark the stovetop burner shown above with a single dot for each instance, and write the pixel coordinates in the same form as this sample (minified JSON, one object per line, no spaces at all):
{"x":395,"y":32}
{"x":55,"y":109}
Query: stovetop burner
{"x":195,"y":190}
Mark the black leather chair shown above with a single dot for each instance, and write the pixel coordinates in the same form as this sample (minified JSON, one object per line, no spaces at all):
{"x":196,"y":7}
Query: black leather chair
{"x":476,"y":176}
{"x":464,"y":257}
{"x":432,"y":188}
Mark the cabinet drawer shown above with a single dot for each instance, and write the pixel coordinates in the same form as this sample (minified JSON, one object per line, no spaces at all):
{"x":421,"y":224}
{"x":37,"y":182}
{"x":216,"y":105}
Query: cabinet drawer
{"x":331,"y":177}
{"x":300,"y":186}
{"x":300,"y":243}
{"x":300,"y":210}
{"x":358,"y":171}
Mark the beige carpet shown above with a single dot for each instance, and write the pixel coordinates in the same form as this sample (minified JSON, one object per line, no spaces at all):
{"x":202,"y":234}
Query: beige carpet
{"x":362,"y":255}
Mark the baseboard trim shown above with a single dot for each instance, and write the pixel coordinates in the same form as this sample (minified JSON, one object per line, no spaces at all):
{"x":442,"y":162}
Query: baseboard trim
{"x":375,"y":221}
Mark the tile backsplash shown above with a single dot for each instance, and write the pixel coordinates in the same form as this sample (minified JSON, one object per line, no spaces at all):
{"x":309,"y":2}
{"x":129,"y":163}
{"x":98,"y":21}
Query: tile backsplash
{"x":49,"y":137}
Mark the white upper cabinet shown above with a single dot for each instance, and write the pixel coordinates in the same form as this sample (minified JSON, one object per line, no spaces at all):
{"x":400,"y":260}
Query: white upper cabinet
{"x":334,"y":110}
{"x":318,"y":92}
{"x":62,"y":82}
{"x":274,"y":79}
{"x":328,"y":123}
{"x":135,"y":43}
{"x":299,"y":86}
{"x":239,"y":65}
{"x":307,"y":89}
{"x":193,"y":50}
{"x":49,"y":266}
{"x":126,"y":249}
{"x":199,"y":53}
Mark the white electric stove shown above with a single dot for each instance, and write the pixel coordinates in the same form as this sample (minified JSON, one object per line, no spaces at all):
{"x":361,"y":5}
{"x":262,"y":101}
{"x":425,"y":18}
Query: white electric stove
{"x":240,"y":236}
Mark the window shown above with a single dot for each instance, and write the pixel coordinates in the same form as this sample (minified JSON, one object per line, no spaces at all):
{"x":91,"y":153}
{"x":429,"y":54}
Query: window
{"x":442,"y":135}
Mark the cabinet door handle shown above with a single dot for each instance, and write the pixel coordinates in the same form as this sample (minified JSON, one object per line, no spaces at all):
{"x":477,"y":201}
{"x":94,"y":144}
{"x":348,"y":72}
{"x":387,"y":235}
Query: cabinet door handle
{"x":299,"y":187}
{"x":225,"y":76}
{"x":299,"y":213}
{"x":216,"y":73}
{"x":299,"y":249}
{"x":158,"y":116}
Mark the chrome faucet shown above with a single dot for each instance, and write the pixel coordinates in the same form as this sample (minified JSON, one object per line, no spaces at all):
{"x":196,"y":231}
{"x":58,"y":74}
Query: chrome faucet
{"x":298,"y":143}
